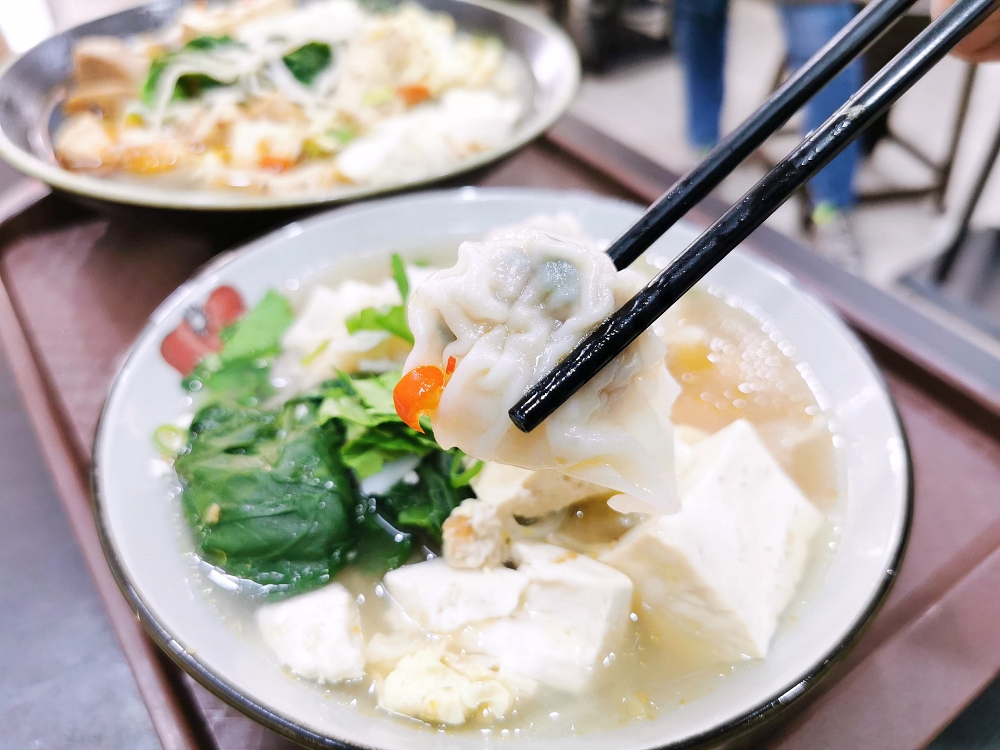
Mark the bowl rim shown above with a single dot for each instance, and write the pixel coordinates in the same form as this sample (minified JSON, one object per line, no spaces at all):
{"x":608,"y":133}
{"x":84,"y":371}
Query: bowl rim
{"x":743,"y":724}
{"x":131,"y":194}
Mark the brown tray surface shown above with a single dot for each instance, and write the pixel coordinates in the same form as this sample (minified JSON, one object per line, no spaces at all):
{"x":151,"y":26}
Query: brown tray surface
{"x":79,"y":286}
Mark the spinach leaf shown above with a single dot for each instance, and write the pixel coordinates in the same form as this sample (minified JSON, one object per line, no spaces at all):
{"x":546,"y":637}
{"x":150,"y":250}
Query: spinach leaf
{"x":308,"y":61}
{"x":189,"y":85}
{"x":379,"y":546}
{"x":240,"y":372}
{"x":266,"y":493}
{"x":423,"y":507}
{"x":391,"y":318}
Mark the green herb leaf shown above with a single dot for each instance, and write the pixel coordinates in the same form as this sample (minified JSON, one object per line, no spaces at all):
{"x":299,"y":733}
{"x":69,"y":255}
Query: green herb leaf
{"x":258,"y":333}
{"x":241,"y":371}
{"x":374,"y":433}
{"x":399,"y":274}
{"x":391,"y":319}
{"x":308,"y":61}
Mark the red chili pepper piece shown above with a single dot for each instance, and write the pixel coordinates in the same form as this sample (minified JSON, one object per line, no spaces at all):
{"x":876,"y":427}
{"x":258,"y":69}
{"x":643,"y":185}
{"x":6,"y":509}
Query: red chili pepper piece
{"x":418,"y":393}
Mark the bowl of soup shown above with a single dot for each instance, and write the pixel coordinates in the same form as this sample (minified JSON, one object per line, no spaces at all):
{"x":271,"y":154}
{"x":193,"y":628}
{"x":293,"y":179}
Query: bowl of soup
{"x":308,"y":487}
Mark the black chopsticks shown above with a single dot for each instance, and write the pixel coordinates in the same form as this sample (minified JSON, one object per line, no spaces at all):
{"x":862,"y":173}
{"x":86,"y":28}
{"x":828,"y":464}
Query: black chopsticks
{"x":818,"y":148}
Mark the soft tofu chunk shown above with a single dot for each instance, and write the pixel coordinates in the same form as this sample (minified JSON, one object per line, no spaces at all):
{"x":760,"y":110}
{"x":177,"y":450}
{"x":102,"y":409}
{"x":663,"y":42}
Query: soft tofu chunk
{"x":474,"y":536}
{"x":316,"y":635}
{"x":431,"y":686}
{"x":576,"y":612}
{"x":219,"y":19}
{"x":443,"y":599}
{"x":318,"y":343}
{"x":527,"y":493}
{"x":264,"y":144}
{"x":728,"y":562}
{"x":82,"y":142}
{"x":477,"y":532}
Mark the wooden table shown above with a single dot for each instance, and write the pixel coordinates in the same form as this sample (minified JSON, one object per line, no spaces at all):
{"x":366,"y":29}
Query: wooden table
{"x":78,"y":284}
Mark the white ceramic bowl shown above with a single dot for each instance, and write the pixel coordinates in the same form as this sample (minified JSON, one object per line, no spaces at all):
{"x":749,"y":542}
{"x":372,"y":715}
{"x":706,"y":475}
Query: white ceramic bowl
{"x":138,"y":520}
{"x":30,"y":86}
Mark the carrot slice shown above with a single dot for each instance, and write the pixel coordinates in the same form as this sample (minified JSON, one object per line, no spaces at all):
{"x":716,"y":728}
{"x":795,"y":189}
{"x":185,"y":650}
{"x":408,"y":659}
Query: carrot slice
{"x":418,"y":393}
{"x":413,"y":94}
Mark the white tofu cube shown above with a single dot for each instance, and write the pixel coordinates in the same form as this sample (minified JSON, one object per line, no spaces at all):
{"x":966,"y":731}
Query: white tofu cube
{"x":529,"y":493}
{"x":443,"y":599}
{"x":437,"y":688}
{"x":257,"y":144}
{"x":316,"y":635}
{"x":477,"y":533}
{"x":474,"y":536}
{"x":728,"y":562}
{"x":576,"y":612}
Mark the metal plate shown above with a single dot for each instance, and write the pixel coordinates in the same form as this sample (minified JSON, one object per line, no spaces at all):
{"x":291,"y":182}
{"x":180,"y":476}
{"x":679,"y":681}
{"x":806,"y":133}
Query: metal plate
{"x":30,"y":84}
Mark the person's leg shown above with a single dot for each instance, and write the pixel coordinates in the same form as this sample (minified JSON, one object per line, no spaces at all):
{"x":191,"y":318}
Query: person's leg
{"x":807,"y":29}
{"x":700,"y":40}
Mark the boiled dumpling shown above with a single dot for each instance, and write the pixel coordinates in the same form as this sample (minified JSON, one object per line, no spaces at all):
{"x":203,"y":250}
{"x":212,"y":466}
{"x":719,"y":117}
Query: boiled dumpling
{"x":511,"y":308}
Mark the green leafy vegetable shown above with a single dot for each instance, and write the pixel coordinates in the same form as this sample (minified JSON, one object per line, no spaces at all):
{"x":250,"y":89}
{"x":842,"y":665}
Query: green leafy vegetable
{"x":274,"y":495}
{"x":240,"y":372}
{"x":374,"y":433}
{"x":390,"y":318}
{"x":189,"y":85}
{"x":308,"y":61}
{"x":424,"y":506}
{"x":379,"y":546}
{"x":266,"y":493}
{"x":258,"y":333}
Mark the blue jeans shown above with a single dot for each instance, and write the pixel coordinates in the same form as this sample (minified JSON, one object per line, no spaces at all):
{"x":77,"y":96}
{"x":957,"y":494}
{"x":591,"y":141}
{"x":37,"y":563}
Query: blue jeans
{"x":700,"y":28}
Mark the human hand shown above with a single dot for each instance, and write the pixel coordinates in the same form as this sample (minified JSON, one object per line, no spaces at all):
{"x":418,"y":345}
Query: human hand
{"x":983,"y":44}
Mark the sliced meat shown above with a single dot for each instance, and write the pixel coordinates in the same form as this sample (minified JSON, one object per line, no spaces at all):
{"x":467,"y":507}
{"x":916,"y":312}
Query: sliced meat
{"x":102,"y":59}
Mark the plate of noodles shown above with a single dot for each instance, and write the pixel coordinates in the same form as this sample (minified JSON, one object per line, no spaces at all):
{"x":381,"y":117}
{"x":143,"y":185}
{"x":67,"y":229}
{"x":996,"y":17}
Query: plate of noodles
{"x":309,"y":490}
{"x":249,"y":104}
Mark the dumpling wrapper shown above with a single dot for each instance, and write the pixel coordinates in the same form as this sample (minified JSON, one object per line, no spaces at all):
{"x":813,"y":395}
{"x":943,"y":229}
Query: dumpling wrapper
{"x":511,"y":308}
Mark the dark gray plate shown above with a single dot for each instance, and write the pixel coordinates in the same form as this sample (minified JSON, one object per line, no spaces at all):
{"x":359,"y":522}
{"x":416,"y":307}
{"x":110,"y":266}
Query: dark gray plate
{"x":30,"y":88}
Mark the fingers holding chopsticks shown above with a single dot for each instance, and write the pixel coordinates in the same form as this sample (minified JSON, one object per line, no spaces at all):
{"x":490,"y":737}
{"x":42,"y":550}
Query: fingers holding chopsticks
{"x":983,"y":44}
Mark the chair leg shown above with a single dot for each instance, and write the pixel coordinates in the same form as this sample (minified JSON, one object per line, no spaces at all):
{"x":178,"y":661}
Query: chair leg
{"x":953,"y":250}
{"x":944,"y":176}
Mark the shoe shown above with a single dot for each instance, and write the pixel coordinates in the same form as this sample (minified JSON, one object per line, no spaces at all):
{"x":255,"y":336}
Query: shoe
{"x":834,"y":238}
